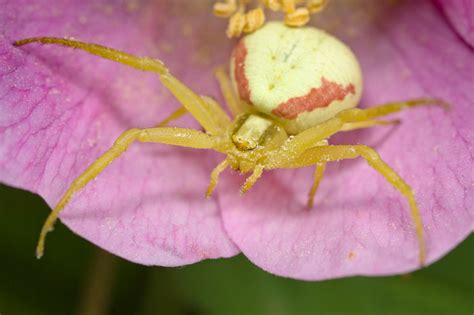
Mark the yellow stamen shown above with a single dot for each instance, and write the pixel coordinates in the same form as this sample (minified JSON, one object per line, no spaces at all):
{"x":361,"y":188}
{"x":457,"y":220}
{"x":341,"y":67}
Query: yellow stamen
{"x":315,"y":6}
{"x":254,"y":20}
{"x":273,"y":5}
{"x":225,"y":9}
{"x":288,"y":6}
{"x":299,"y":17}
{"x":297,"y":13}
{"x":236,"y":25}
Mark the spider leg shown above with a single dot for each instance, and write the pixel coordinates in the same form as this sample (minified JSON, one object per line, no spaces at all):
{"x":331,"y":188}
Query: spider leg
{"x":215,"y":176}
{"x":181,"y":111}
{"x":357,"y":114}
{"x":306,"y":139}
{"x":173,"y":136}
{"x":220,"y":116}
{"x":233,"y":102}
{"x":368,"y":124}
{"x":325,"y":154}
{"x":252,"y":179}
{"x":318,"y":175}
{"x":190,"y":100}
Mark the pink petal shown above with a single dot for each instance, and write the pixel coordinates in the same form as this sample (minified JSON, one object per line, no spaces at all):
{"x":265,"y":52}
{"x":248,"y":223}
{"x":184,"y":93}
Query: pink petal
{"x":360,"y":224}
{"x":60,"y":109}
{"x":461,"y":16}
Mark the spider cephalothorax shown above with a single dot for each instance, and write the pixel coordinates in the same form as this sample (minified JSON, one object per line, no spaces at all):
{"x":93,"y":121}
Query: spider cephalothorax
{"x":292,"y":89}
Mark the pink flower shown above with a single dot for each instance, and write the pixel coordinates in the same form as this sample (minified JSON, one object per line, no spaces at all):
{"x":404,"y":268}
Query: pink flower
{"x":60,"y":109}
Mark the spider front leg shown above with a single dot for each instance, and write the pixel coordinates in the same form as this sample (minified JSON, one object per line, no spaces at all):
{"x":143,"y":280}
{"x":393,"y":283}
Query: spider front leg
{"x":325,"y":154}
{"x":174,"y":136}
{"x":346,"y":120}
{"x":358,"y":115}
{"x":193,"y":103}
{"x":368,"y":124}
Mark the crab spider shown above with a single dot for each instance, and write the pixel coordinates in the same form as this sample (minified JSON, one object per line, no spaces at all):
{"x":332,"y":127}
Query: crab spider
{"x":291,"y":89}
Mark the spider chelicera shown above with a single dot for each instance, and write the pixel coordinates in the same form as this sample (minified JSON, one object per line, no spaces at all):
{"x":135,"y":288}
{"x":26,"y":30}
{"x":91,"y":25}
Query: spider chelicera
{"x":290,"y":90}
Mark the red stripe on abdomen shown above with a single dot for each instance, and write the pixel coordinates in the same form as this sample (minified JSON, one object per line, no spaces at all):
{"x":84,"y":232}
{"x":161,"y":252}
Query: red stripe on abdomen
{"x":240,"y":53}
{"x":316,"y":98}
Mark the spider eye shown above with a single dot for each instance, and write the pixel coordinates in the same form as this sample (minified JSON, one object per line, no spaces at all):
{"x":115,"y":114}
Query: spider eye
{"x":244,"y":144}
{"x":251,"y":132}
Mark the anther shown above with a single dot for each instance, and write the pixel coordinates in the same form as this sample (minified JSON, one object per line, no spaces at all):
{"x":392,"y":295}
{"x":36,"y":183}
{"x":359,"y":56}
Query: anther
{"x":254,"y":20}
{"x":273,"y":5}
{"x":297,"y":18}
{"x":236,"y":25}
{"x":297,"y":13}
{"x":315,"y":6}
{"x":289,"y":6}
{"x":225,"y":9}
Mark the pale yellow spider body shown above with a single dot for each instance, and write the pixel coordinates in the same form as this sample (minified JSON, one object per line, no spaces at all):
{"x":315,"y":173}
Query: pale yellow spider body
{"x":298,"y":76}
{"x":254,"y":139}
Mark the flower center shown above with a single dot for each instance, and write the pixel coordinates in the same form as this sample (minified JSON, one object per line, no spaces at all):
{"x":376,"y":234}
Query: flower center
{"x":241,"y":20}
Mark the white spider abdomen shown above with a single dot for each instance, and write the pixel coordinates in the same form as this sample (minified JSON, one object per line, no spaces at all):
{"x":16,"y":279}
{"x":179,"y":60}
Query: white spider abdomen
{"x":299,"y":76}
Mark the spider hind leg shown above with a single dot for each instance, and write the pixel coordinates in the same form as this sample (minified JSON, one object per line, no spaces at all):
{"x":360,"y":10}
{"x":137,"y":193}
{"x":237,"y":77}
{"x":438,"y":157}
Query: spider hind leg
{"x":233,"y":102}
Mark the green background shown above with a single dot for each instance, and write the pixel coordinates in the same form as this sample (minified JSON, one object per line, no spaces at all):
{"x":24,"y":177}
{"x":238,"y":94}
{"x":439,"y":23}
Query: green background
{"x":77,"y":278}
